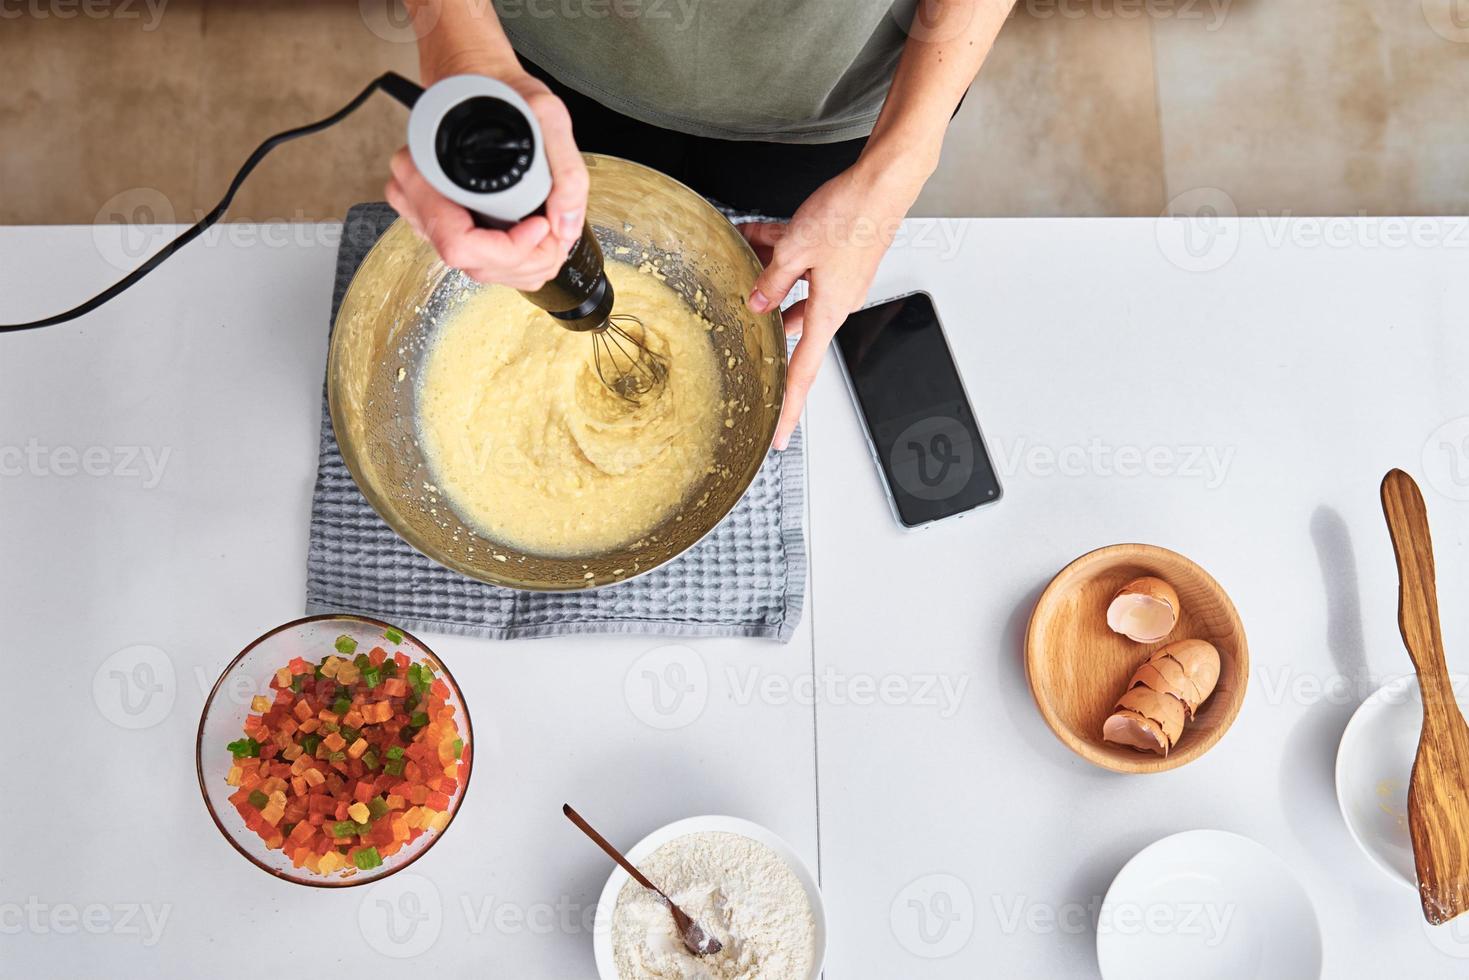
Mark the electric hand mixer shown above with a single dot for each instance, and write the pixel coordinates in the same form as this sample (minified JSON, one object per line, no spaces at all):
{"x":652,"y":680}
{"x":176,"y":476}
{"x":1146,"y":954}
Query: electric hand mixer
{"x":477,"y":142}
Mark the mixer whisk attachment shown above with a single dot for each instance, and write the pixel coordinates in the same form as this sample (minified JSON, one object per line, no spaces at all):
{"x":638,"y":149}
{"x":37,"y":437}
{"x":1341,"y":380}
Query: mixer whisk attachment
{"x":624,"y":363}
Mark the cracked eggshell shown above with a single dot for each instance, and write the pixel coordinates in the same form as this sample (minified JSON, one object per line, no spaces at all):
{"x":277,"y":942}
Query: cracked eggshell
{"x":1167,"y":676}
{"x":1144,"y":610}
{"x":1127,"y":727}
{"x":1199,"y":660}
{"x":1165,"y":710}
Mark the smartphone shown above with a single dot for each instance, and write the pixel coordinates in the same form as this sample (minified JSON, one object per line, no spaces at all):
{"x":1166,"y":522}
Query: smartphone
{"x":920,"y":426}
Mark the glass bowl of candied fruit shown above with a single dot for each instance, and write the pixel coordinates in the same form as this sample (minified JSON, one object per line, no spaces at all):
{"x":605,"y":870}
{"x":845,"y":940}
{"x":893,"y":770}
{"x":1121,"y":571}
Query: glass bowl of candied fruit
{"x":334,"y":750}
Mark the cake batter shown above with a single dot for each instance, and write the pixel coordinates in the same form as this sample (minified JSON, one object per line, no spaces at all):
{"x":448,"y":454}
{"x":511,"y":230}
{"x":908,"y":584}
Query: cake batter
{"x":531,"y":447}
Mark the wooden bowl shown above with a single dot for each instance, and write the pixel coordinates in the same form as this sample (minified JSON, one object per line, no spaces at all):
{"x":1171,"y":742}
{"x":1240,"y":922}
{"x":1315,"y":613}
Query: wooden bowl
{"x":1078,"y":668}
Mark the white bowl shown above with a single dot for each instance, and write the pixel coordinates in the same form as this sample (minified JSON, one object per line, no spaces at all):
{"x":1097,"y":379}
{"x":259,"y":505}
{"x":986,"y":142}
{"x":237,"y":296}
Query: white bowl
{"x":607,"y":904}
{"x":1206,"y":904}
{"x":1373,"y":765}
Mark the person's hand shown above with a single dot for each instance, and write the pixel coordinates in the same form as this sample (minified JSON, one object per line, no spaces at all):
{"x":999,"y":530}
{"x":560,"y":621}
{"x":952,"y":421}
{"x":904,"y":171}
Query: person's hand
{"x":835,"y":241}
{"x":530,"y":253}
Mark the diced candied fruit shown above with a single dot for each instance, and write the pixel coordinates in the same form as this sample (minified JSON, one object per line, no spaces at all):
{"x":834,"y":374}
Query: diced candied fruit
{"x":354,"y":758}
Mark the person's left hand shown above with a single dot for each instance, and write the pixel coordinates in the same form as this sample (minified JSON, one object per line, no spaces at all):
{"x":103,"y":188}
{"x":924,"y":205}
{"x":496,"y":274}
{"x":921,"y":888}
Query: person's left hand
{"x":835,"y":241}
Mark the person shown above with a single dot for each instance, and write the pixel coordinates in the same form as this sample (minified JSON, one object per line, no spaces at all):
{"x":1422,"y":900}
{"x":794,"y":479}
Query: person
{"x":828,"y":116}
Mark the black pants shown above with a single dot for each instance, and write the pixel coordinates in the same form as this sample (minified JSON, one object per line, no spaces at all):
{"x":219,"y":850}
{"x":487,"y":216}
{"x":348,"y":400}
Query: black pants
{"x":770,"y":178}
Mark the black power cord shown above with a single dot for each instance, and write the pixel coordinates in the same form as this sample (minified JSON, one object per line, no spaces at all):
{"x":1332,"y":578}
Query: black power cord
{"x":391,"y":83}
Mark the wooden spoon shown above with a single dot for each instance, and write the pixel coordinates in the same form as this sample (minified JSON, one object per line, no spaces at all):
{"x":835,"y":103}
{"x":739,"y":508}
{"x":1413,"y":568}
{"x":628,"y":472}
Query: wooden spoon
{"x":1438,"y":792}
{"x":699,"y":941}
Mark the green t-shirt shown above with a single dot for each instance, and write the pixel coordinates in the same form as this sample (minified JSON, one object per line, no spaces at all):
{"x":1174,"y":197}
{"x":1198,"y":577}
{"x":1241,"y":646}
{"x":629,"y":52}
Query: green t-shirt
{"x":789,"y":71}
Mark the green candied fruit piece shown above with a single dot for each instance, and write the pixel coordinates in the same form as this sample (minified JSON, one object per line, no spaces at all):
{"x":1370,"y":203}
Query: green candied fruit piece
{"x":244,"y":748}
{"x":367,"y":858}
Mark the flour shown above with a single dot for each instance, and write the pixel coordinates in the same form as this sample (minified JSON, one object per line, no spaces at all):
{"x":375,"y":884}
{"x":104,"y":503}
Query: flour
{"x":739,"y":890}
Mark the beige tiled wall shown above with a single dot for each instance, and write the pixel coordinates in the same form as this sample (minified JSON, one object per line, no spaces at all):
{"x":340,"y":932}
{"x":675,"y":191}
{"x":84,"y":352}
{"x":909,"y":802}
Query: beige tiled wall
{"x":102,"y":114}
{"x":1320,"y":106}
{"x":1087,"y":107}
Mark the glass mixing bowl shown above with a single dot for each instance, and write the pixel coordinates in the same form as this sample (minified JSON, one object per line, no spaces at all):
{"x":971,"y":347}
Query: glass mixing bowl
{"x":249,"y":674}
{"x":402,"y":291}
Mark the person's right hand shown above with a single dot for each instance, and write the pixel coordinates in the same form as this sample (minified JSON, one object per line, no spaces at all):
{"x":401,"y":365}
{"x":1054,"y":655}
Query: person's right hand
{"x":530,"y":253}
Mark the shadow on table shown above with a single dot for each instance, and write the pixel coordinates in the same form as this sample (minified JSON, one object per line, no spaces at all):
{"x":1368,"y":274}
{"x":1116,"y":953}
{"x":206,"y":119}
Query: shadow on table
{"x":1096,"y":868}
{"x":1308,"y":765}
{"x":1020,"y":704}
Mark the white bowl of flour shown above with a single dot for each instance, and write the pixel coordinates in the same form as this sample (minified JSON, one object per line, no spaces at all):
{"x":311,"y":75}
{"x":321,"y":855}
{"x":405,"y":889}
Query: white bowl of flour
{"x":741,"y":882}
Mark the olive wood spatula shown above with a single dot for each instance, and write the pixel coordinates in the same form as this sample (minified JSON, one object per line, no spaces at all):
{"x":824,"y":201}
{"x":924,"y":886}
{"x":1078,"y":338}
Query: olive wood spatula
{"x":1438,"y":791}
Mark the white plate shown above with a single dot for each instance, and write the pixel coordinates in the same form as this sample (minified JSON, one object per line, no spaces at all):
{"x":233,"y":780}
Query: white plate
{"x":602,"y":930}
{"x":1207,"y":904}
{"x":1373,"y":764}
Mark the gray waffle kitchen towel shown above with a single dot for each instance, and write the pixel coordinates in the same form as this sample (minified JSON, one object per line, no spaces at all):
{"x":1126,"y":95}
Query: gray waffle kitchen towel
{"x":747,"y":578}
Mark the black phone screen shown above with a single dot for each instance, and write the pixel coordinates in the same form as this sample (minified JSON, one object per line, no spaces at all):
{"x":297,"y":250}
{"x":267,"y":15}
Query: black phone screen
{"x":922,"y":427}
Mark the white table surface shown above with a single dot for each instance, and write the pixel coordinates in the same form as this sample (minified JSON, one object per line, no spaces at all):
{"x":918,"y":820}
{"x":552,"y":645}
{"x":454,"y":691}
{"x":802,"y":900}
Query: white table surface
{"x":1313,"y":358}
